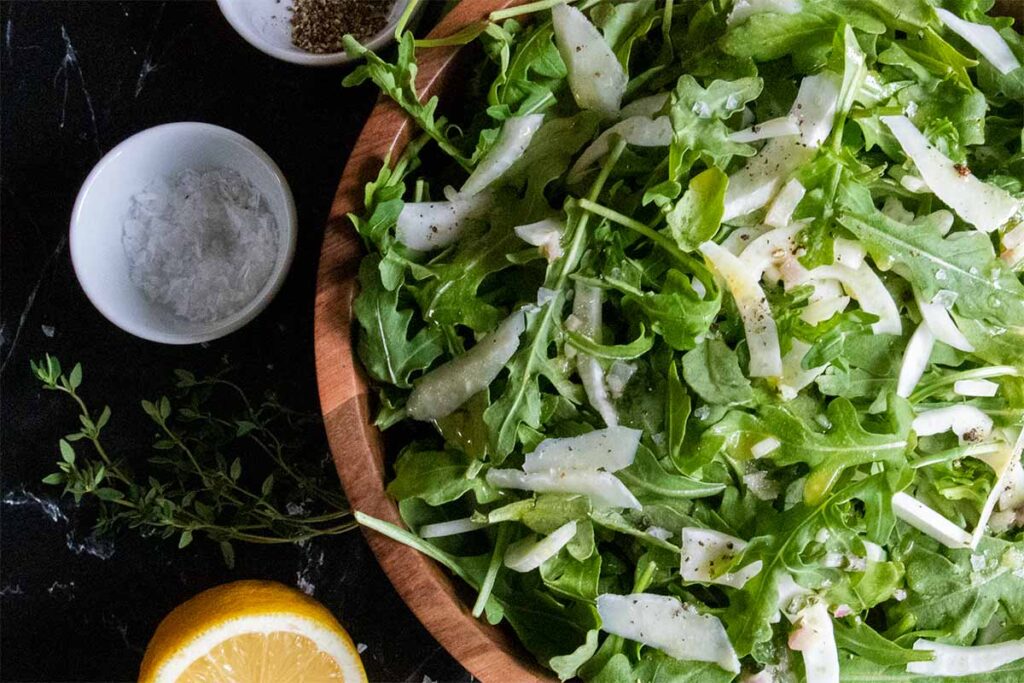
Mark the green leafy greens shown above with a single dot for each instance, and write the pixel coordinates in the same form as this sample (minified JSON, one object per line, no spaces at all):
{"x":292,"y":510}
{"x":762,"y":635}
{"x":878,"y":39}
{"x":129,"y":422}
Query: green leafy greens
{"x":750,"y":208}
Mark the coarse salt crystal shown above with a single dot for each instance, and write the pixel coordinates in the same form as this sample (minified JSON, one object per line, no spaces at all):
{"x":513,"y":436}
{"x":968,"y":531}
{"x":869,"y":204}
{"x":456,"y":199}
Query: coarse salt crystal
{"x":203,"y":243}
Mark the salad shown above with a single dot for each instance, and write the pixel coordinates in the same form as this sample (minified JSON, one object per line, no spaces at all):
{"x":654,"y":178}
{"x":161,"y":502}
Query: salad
{"x":704,"y":326}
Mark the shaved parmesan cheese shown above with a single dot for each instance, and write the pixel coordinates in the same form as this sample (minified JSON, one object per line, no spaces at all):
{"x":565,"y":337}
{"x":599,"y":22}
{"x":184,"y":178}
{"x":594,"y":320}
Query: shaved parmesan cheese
{"x":545,"y":234}
{"x":864,"y":285}
{"x":975,"y":387}
{"x":874,"y":552}
{"x":928,"y":521}
{"x":640,"y":131}
{"x":705,"y":551}
{"x":983,"y":38}
{"x":515,"y":137}
{"x":815,"y":638}
{"x":761,"y":485}
{"x":659,"y":533}
{"x":663,"y":622}
{"x":936,"y":316}
{"x":587,"y":309}
{"x":780,"y":214}
{"x":915,"y":360}
{"x":596,"y":78}
{"x":755,"y":184}
{"x":743,"y":9}
{"x":592,"y":376}
{"x":529,"y":554}
{"x":424,"y":226}
{"x":621,"y":372}
{"x":450,"y":528}
{"x":967,"y":422}
{"x":762,"y":334}
{"x":959,"y":660}
{"x":610,"y":449}
{"x":603,"y":488}
{"x":442,"y":390}
{"x":764,"y":447}
{"x":646,"y":106}
{"x":772,"y":128}
{"x":984,"y":206}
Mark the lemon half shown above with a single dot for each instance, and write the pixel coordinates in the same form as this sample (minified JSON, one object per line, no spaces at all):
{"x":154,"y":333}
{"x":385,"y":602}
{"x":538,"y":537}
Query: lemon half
{"x":251,"y":632}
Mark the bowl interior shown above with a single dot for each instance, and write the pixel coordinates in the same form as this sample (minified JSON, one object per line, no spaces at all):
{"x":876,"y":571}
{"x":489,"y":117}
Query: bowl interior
{"x":103,"y":203}
{"x":266,"y":24}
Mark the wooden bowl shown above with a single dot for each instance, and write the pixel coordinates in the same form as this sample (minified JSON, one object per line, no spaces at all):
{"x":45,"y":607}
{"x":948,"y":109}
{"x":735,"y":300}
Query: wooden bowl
{"x":489,"y":653}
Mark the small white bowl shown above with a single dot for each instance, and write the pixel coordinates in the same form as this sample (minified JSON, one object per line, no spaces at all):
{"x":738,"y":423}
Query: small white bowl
{"x":97,"y":224}
{"x":266,"y":25}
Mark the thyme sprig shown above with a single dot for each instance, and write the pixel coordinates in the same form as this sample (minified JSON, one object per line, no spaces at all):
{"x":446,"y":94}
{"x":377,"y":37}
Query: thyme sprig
{"x":222,"y":465}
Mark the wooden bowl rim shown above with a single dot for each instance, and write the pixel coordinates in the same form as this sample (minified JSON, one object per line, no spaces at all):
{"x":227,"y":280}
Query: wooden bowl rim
{"x":489,"y":653}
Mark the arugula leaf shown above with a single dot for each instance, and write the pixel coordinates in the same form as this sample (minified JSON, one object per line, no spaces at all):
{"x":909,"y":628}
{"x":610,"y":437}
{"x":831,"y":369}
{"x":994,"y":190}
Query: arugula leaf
{"x":992,"y":343}
{"x":697,"y":216}
{"x":529,"y":77}
{"x":649,"y":481}
{"x":857,"y":637}
{"x":770,"y":35}
{"x":385,"y":349}
{"x":677,"y":412}
{"x":846,"y":443}
{"x":963,"y":262}
{"x":437,"y":477}
{"x":677,"y":312}
{"x":657,"y":667}
{"x":398,"y":81}
{"x":547,"y":158}
{"x":572,"y":578}
{"x":634,"y":349}
{"x":698,"y":115}
{"x":947,"y":594}
{"x":451,"y":296}
{"x":713,"y":371}
{"x":624,"y":23}
{"x":751,"y":610}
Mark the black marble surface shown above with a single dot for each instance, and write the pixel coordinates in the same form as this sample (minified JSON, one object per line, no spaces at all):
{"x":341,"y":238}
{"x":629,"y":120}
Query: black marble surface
{"x":76,"y":79}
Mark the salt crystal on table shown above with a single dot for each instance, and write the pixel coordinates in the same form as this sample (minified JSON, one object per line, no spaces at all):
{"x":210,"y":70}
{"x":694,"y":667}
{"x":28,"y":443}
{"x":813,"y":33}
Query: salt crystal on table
{"x":203,"y":243}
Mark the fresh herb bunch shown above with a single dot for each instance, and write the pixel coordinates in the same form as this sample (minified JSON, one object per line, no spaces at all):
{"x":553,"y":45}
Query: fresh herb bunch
{"x":223,"y":466}
{"x":728,"y":313}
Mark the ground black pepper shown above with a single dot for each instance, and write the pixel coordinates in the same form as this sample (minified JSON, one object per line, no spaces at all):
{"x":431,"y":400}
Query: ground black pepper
{"x":318,"y":25}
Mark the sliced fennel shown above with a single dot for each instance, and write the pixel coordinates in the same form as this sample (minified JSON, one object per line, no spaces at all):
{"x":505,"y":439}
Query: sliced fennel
{"x":603,"y":488}
{"x":529,"y":554}
{"x":984,"y":206}
{"x":959,"y":660}
{"x":442,"y":390}
{"x":515,"y":137}
{"x":596,"y":77}
{"x":705,"y":552}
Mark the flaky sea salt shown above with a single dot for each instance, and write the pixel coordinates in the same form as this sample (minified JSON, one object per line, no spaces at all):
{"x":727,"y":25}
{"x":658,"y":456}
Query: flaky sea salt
{"x":203,"y":243}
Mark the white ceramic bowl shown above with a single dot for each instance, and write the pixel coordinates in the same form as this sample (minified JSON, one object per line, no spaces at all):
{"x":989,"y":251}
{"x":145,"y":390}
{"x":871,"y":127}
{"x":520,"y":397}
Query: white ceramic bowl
{"x":266,"y":25}
{"x":97,"y":224}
